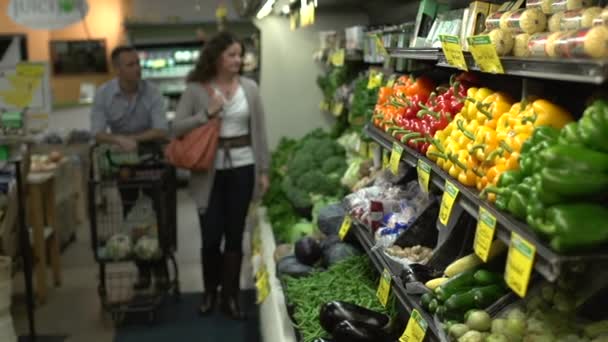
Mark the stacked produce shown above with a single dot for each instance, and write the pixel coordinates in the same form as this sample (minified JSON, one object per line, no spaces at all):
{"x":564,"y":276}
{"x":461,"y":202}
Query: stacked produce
{"x":353,"y":280}
{"x":485,"y":138}
{"x":464,"y":286}
{"x":561,"y":178}
{"x":551,"y":28}
{"x":411,"y":110}
{"x":363,"y":102}
{"x":549,"y":313}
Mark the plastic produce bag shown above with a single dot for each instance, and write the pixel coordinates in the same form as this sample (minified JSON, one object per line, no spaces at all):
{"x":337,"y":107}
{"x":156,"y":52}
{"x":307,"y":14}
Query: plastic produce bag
{"x":351,"y":176}
{"x":141,"y":220}
{"x":330,"y":219}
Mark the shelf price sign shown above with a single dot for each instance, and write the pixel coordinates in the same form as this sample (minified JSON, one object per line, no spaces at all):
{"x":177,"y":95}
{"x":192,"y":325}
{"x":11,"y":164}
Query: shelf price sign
{"x":486,"y":226}
{"x":519,"y":264}
{"x":384,"y":288}
{"x":380,"y":45}
{"x":375,"y":79}
{"x":385,"y":159}
{"x":345,"y":227}
{"x":484,"y":54}
{"x":337,"y":58}
{"x":396,"y":158}
{"x":416,"y":328}
{"x":453,"y":51}
{"x":337,"y":108}
{"x":424,"y":175}
{"x":447,"y":202}
{"x":262,"y":284}
{"x":391,"y":81}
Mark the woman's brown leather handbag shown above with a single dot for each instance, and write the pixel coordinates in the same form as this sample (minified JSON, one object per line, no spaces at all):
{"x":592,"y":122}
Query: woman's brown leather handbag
{"x":196,"y":150}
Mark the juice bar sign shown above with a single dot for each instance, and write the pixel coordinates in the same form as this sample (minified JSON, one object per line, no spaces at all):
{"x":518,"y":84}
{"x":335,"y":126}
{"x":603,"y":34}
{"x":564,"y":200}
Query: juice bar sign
{"x":47,"y":14}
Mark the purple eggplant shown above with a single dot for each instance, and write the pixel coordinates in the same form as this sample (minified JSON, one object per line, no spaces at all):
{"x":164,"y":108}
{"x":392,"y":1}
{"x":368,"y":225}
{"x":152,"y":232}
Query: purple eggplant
{"x":354,"y":331}
{"x":334,"y":312}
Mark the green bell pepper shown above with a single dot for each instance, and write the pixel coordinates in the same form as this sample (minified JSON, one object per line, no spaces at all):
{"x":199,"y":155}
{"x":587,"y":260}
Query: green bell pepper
{"x":574,"y":157}
{"x":509,"y":178}
{"x":572,"y":183}
{"x":540,"y":134}
{"x":575,"y":226}
{"x":569,"y":135}
{"x":593,"y":126}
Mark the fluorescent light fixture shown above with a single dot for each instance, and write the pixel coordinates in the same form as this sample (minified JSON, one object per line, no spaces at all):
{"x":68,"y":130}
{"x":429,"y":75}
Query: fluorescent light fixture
{"x":286,"y":9}
{"x":266,"y":9}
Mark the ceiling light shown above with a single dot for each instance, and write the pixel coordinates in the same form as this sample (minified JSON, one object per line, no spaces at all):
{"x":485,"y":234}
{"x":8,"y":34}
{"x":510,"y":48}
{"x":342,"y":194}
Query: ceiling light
{"x":266,"y":9}
{"x":286,"y":10}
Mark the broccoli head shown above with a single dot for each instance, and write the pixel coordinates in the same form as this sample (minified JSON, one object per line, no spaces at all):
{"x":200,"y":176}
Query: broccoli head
{"x":298,"y":197}
{"x":300,"y":164}
{"x":333,"y":164}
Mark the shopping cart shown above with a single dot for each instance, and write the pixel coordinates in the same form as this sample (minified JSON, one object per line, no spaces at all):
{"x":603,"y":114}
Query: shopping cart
{"x":132,"y":197}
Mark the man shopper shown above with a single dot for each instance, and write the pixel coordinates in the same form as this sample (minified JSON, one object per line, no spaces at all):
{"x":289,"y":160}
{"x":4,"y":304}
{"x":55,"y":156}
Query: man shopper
{"x":128,"y":112}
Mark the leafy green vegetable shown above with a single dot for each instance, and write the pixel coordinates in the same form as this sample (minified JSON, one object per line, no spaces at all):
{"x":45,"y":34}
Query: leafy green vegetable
{"x":331,"y":81}
{"x":364,"y":101}
{"x":352,"y":280}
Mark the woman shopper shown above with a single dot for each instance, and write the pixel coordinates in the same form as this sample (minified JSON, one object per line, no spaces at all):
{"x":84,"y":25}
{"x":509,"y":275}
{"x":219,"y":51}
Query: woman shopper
{"x":240,"y":172}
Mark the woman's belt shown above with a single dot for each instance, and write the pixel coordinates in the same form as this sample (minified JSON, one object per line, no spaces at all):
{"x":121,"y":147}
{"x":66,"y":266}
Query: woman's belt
{"x":225,"y":144}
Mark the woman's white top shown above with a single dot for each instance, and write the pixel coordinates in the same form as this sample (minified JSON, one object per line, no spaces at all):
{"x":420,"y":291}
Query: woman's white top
{"x":235,"y":123}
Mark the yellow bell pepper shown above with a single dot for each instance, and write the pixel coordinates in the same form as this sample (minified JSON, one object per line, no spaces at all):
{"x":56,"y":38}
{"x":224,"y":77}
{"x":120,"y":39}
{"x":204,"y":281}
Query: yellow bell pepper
{"x":545,"y":113}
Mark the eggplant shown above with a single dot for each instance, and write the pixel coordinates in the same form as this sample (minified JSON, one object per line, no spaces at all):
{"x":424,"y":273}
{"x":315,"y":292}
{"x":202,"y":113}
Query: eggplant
{"x":332,"y":313}
{"x":353,"y":331}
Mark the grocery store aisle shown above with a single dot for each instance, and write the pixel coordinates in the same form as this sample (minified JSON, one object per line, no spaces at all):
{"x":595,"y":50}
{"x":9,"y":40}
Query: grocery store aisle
{"x":74,"y":308}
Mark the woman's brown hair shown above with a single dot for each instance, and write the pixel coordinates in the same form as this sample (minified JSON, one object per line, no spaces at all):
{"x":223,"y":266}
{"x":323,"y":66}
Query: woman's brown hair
{"x":206,"y":66}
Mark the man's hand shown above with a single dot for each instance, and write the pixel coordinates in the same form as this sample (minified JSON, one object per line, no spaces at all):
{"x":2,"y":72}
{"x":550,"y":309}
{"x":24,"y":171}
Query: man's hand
{"x":126,"y":144}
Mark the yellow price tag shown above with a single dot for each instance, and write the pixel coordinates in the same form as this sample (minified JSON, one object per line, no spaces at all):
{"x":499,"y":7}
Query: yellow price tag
{"x":337,"y":108}
{"x":484,"y":235}
{"x":453,"y":51}
{"x":324,"y":106}
{"x":415,"y":329}
{"x":345,"y":227}
{"x":396,"y":158}
{"x":447,"y":202}
{"x":375,"y":79}
{"x":424,"y":175}
{"x":263,"y":285}
{"x":484,"y":54}
{"x":519,"y":264}
{"x":391,"y":81}
{"x":384,"y":288}
{"x":380,"y":45}
{"x":337,"y":58}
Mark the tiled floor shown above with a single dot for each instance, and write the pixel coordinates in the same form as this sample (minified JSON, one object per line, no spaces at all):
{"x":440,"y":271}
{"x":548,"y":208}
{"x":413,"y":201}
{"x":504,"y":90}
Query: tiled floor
{"x":74,"y":309}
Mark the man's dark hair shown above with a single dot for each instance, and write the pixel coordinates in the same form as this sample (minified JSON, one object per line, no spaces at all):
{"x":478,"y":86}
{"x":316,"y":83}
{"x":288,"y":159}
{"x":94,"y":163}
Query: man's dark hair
{"x":115,"y":55}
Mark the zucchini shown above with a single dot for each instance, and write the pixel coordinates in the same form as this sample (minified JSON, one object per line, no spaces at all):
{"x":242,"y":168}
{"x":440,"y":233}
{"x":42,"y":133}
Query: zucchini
{"x":485,"y":296}
{"x":466,"y":263}
{"x":461,"y":301}
{"x":459,"y":283}
{"x":441,"y":311}
{"x":425,"y":300}
{"x":483,"y":277}
{"x":434,"y":283}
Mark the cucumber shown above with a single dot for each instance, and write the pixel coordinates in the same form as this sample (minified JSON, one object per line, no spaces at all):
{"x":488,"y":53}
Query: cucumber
{"x":461,"y":301}
{"x":483,"y":277}
{"x":425,"y":300}
{"x":485,"y":296}
{"x":459,"y":283}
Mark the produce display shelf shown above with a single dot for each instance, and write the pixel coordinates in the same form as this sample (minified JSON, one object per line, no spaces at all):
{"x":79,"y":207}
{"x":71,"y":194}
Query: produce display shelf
{"x":405,"y":303}
{"x":276,"y":325}
{"x":573,"y":70}
{"x":423,"y":54}
{"x":548,"y":263}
